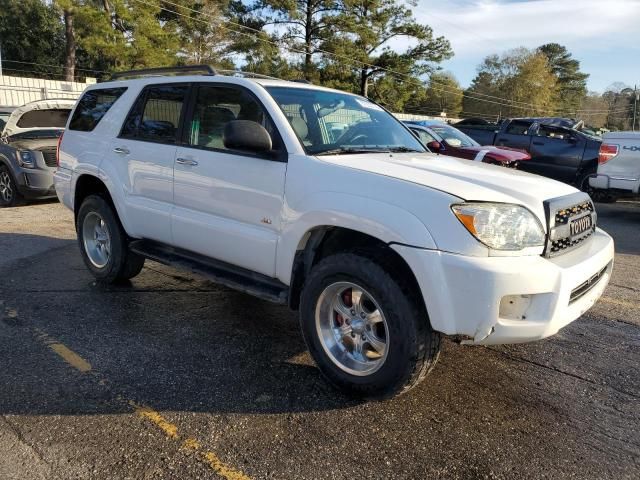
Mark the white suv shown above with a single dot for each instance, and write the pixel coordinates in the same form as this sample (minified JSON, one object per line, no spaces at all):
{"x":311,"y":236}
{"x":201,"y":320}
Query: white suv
{"x":322,"y":200}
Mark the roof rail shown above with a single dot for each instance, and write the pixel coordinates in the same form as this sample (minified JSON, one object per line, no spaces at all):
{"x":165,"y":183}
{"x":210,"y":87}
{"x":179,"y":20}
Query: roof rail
{"x":154,"y":72}
{"x":241,"y":73}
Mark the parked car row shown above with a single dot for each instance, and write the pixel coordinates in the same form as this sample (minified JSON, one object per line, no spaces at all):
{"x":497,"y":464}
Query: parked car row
{"x":323,"y":201}
{"x":557,"y":150}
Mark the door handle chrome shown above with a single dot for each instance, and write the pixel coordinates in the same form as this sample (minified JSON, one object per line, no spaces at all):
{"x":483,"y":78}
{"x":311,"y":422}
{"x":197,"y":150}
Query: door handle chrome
{"x":186,"y":161}
{"x":121,"y":150}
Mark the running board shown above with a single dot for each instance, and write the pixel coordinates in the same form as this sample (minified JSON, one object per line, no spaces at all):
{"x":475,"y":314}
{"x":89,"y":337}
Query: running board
{"x":238,"y":278}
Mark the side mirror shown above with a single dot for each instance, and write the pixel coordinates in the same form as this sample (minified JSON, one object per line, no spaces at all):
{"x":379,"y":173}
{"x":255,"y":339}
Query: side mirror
{"x":434,"y":146}
{"x":246,"y":135}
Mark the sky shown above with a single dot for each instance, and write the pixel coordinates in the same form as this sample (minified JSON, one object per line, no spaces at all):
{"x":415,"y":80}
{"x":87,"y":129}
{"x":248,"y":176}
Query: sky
{"x":604,"y":35}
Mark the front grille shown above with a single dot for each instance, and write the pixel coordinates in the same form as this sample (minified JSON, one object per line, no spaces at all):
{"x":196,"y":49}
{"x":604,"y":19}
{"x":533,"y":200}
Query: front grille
{"x":561,"y":213}
{"x":49,"y":154}
{"x":584,"y":288}
{"x":563,"y":216}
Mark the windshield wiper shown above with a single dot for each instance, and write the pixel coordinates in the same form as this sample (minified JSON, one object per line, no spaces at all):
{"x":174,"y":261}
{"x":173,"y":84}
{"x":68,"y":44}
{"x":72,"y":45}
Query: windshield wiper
{"x":350,"y":150}
{"x":402,"y":149}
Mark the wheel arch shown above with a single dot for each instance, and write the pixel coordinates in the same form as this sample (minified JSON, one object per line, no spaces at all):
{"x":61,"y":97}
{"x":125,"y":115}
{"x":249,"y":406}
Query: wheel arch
{"x":324,"y":240}
{"x":90,"y":184}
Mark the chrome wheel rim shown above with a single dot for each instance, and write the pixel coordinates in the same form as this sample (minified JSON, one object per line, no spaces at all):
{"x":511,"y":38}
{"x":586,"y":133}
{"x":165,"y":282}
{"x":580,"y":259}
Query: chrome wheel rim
{"x":6,"y":191}
{"x":352,"y":328}
{"x":96,"y":239}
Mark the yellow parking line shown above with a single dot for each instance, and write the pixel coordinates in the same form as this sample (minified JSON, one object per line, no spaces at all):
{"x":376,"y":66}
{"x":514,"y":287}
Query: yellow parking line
{"x":622,"y":303}
{"x":147,"y":413}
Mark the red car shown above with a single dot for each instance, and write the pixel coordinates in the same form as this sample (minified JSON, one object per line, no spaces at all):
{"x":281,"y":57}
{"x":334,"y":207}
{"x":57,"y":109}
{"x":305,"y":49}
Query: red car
{"x":447,"y":140}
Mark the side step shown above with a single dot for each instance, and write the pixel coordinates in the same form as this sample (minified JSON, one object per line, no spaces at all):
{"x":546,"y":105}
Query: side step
{"x":238,"y":278}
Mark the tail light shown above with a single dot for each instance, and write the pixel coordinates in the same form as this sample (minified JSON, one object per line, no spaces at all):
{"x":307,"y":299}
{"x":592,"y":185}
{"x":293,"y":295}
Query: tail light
{"x":607,"y":152}
{"x":58,"y":150}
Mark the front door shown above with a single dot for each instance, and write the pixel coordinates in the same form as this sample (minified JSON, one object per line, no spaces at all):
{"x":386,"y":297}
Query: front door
{"x":227,"y":204}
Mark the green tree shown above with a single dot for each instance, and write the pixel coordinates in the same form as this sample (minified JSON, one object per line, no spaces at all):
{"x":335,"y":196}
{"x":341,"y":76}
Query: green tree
{"x":308,"y":23}
{"x":518,"y":83}
{"x":30,"y":31}
{"x":571,"y":85}
{"x":362,"y":40}
{"x":442,"y":95}
{"x":256,"y":50}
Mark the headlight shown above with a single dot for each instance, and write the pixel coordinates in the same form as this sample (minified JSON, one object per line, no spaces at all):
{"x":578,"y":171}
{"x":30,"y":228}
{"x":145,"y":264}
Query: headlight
{"x":26,"y":159}
{"x":501,"y":226}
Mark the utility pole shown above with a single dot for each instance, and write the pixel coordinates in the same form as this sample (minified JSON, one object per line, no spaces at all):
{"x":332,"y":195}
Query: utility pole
{"x":635,"y":106}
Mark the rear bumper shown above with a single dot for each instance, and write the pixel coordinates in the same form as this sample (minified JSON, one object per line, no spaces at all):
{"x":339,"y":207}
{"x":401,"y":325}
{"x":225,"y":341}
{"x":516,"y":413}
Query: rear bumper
{"x":498,"y":300}
{"x":627,"y":183}
{"x":62,"y":181}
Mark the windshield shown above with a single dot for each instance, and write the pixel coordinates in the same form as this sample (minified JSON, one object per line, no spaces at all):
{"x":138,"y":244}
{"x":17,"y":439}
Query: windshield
{"x":453,"y":137}
{"x":339,"y":123}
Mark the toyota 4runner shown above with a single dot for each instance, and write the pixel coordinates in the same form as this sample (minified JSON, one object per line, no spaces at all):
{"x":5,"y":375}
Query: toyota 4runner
{"x":324,"y":201}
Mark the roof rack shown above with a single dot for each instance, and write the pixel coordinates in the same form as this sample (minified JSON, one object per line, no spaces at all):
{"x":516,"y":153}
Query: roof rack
{"x":162,"y":71}
{"x":243,"y":74}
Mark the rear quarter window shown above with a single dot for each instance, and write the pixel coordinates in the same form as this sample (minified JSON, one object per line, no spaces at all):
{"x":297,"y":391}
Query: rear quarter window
{"x":93,"y":105}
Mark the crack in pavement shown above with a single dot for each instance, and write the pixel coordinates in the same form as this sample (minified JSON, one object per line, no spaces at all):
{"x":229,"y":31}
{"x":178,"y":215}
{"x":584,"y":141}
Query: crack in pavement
{"x":563,"y":372}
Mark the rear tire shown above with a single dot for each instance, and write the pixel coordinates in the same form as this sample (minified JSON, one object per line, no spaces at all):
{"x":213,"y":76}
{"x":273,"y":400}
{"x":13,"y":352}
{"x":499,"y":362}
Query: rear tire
{"x":383,"y":345}
{"x":9,"y":195}
{"x":103,"y":242}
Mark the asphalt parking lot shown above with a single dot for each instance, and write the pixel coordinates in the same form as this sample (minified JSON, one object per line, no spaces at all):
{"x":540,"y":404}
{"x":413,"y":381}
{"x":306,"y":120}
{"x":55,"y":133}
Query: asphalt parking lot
{"x":171,"y":377}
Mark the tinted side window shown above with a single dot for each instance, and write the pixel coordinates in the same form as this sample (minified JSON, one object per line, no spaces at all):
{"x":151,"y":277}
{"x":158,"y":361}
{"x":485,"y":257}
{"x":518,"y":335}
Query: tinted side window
{"x":518,"y":128}
{"x":93,"y":105}
{"x":424,"y":136}
{"x":216,"y":106}
{"x":554,"y":132}
{"x":156,"y":114}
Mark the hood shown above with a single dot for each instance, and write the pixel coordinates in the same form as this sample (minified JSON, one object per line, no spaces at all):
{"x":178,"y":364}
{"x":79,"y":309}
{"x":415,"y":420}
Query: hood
{"x":461,"y":178}
{"x":503,"y":154}
{"x":12,"y":128}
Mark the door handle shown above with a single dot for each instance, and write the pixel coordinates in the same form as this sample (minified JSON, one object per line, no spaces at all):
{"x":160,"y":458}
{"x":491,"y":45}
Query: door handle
{"x":186,"y":161}
{"x":121,"y":150}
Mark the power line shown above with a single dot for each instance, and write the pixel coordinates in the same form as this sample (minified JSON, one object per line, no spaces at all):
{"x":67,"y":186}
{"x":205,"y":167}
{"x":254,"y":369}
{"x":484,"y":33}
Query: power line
{"x":512,"y":103}
{"x":54,"y":66}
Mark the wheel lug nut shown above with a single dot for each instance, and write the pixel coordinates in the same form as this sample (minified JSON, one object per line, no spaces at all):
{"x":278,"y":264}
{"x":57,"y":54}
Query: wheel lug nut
{"x":353,"y":312}
{"x":362,"y":315}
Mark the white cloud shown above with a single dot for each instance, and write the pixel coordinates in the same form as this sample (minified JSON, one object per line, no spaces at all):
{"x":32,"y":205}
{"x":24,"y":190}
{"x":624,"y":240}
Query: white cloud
{"x":493,"y":25}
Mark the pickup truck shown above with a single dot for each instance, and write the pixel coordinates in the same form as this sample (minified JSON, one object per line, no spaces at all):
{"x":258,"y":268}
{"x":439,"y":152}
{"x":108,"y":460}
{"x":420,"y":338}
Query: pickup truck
{"x":380,"y":245}
{"x":28,"y":143}
{"x":618,"y":172}
{"x":557,"y":151}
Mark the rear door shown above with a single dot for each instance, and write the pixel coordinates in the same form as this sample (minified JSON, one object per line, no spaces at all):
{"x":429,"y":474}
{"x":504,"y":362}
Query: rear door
{"x":556,"y":152}
{"x":144,"y":154}
{"x":228,"y":204}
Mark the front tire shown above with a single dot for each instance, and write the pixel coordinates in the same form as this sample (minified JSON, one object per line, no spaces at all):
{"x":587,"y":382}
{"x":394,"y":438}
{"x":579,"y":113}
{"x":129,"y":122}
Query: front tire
{"x":103,"y":242}
{"x":9,"y":195}
{"x":369,"y":336}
